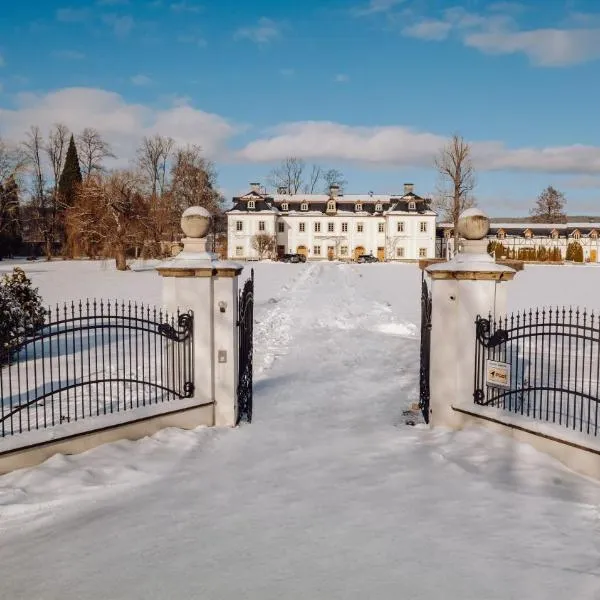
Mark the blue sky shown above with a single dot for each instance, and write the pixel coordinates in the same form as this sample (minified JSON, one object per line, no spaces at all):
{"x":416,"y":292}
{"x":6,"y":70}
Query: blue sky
{"x":372,"y":87}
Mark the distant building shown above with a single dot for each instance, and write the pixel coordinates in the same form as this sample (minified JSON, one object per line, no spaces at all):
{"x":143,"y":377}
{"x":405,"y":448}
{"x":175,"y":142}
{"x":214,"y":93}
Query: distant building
{"x":516,"y":236}
{"x":332,"y":226}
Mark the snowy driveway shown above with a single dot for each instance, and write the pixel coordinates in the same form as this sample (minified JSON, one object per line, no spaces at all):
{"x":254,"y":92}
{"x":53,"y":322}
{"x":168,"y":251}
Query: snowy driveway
{"x":326,"y":495}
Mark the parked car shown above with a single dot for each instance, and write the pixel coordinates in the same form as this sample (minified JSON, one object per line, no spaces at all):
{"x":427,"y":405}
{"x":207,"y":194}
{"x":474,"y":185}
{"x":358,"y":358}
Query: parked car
{"x":367,"y":258}
{"x":293,"y":258}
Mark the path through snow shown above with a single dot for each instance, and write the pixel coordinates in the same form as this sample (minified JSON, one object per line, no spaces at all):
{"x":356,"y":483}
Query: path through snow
{"x":326,"y":495}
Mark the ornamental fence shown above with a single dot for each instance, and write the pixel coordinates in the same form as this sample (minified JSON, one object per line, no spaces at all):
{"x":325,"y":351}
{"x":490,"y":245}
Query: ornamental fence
{"x":94,"y":358}
{"x":544,"y":364}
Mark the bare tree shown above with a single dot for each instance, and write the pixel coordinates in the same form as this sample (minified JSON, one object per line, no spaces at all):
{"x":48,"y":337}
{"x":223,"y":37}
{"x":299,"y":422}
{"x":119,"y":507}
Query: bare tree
{"x":43,"y":221}
{"x":12,"y":164}
{"x":153,"y":157}
{"x":194,"y":181}
{"x":265,"y":244}
{"x":289,"y":175}
{"x":457,"y":176}
{"x":316,"y":173}
{"x":56,"y":150}
{"x":333,"y":177}
{"x":111,"y":215}
{"x":549,"y":207}
{"x":92,"y":151}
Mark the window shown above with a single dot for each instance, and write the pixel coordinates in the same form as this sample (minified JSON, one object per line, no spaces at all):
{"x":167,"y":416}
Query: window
{"x":239,"y":226}
{"x":423,"y":226}
{"x":422,"y":252}
{"x":251,"y":204}
{"x":501,"y":234}
{"x":381,"y":227}
{"x":239,"y":251}
{"x":331,"y":227}
{"x":304,"y":206}
{"x":344,"y":227}
{"x":359,"y":227}
{"x":317,"y":250}
{"x":411,"y":206}
{"x":261,"y":225}
{"x":344,"y":251}
{"x":285,"y":206}
{"x":301,"y":227}
{"x":378,"y":207}
{"x":576,"y":234}
{"x":331,"y":205}
{"x":400,"y":226}
{"x":358,"y":207}
{"x":400,"y":252}
{"x":317,"y":227}
{"x":281,"y":227}
{"x":594,"y":234}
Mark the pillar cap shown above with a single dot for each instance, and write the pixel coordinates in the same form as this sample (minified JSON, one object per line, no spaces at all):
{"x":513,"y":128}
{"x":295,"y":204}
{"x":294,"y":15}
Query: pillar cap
{"x":471,"y":266}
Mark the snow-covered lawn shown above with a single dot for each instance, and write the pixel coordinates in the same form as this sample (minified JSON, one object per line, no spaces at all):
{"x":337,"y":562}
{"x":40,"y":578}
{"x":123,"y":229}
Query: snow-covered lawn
{"x":328,"y":494}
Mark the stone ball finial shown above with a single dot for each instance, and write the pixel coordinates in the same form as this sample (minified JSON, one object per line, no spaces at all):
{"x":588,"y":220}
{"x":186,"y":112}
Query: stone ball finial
{"x":195,"y":222}
{"x":473,"y":224}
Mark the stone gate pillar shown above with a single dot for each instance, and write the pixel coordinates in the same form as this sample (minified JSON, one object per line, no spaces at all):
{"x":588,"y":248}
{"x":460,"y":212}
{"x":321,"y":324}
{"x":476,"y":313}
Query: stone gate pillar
{"x":470,"y":284}
{"x":196,"y":280}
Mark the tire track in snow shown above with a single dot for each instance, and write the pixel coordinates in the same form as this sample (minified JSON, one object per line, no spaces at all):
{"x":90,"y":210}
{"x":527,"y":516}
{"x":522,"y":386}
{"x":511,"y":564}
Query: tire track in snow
{"x":273,"y":329}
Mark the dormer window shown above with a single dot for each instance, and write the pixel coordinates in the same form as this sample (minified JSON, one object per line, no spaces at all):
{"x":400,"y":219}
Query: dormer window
{"x":594,"y":234}
{"x":378,"y":207}
{"x":501,"y":234}
{"x":528,"y":233}
{"x":285,"y":206}
{"x":554,"y":234}
{"x":304,"y":206}
{"x":412,"y":205}
{"x":331,"y":205}
{"x":358,"y":207}
{"x":576,"y":234}
{"x":251,"y":204}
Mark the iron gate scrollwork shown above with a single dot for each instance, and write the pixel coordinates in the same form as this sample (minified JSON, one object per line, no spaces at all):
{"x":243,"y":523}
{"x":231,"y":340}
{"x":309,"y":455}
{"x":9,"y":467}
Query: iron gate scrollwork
{"x":425,"y":349}
{"x":245,"y":345}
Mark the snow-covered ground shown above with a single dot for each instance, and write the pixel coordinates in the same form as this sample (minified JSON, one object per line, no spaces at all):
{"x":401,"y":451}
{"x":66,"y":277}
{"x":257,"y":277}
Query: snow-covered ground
{"x":327,"y":494}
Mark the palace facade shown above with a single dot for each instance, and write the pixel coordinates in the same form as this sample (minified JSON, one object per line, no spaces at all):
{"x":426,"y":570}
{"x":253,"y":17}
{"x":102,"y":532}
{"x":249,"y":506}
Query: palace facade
{"x":333,"y":226}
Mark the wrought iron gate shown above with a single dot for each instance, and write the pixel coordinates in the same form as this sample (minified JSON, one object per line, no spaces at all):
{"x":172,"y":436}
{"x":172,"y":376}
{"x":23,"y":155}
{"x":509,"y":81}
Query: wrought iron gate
{"x":245,"y":345}
{"x":425,"y":349}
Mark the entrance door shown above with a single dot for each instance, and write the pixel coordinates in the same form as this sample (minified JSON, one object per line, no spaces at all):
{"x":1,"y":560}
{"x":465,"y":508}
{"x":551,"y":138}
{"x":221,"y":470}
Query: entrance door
{"x":594,"y":255}
{"x":358,"y":251}
{"x":330,"y":252}
{"x":302,"y":250}
{"x":381,"y":254}
{"x":280,"y":251}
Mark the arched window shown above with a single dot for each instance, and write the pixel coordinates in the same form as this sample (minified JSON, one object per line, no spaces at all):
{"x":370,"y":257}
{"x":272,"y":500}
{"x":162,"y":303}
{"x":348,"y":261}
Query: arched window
{"x":331,"y":205}
{"x":285,"y":206}
{"x":594,"y":234}
{"x":554,"y":234}
{"x":501,"y":234}
{"x":412,"y":206}
{"x":528,"y":233}
{"x":304,"y":206}
{"x":576,"y":234}
{"x":358,"y":207}
{"x":251,"y":204}
{"x":378,"y":207}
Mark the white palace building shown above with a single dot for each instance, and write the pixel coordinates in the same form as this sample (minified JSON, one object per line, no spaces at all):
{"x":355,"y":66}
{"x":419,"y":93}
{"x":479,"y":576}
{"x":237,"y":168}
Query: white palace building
{"x":332,"y":226}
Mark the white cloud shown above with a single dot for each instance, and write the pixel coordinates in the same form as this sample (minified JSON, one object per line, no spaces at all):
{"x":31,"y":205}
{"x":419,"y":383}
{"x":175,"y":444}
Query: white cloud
{"x":341,"y":78}
{"x":192,"y":39}
{"x":405,"y":147}
{"x":122,"y":123}
{"x":121,"y":25}
{"x":72,"y":15}
{"x":68,"y":54}
{"x":185,"y":6}
{"x":429,"y":29}
{"x":497,"y":32}
{"x":543,"y":47}
{"x":141,"y":80}
{"x":377,"y":6}
{"x":265,"y":31}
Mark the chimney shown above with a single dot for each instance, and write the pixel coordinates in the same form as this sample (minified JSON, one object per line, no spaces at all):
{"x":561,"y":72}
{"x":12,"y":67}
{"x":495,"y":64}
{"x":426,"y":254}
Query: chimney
{"x":334,"y":190}
{"x":255,"y":187}
{"x":408,"y":188}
